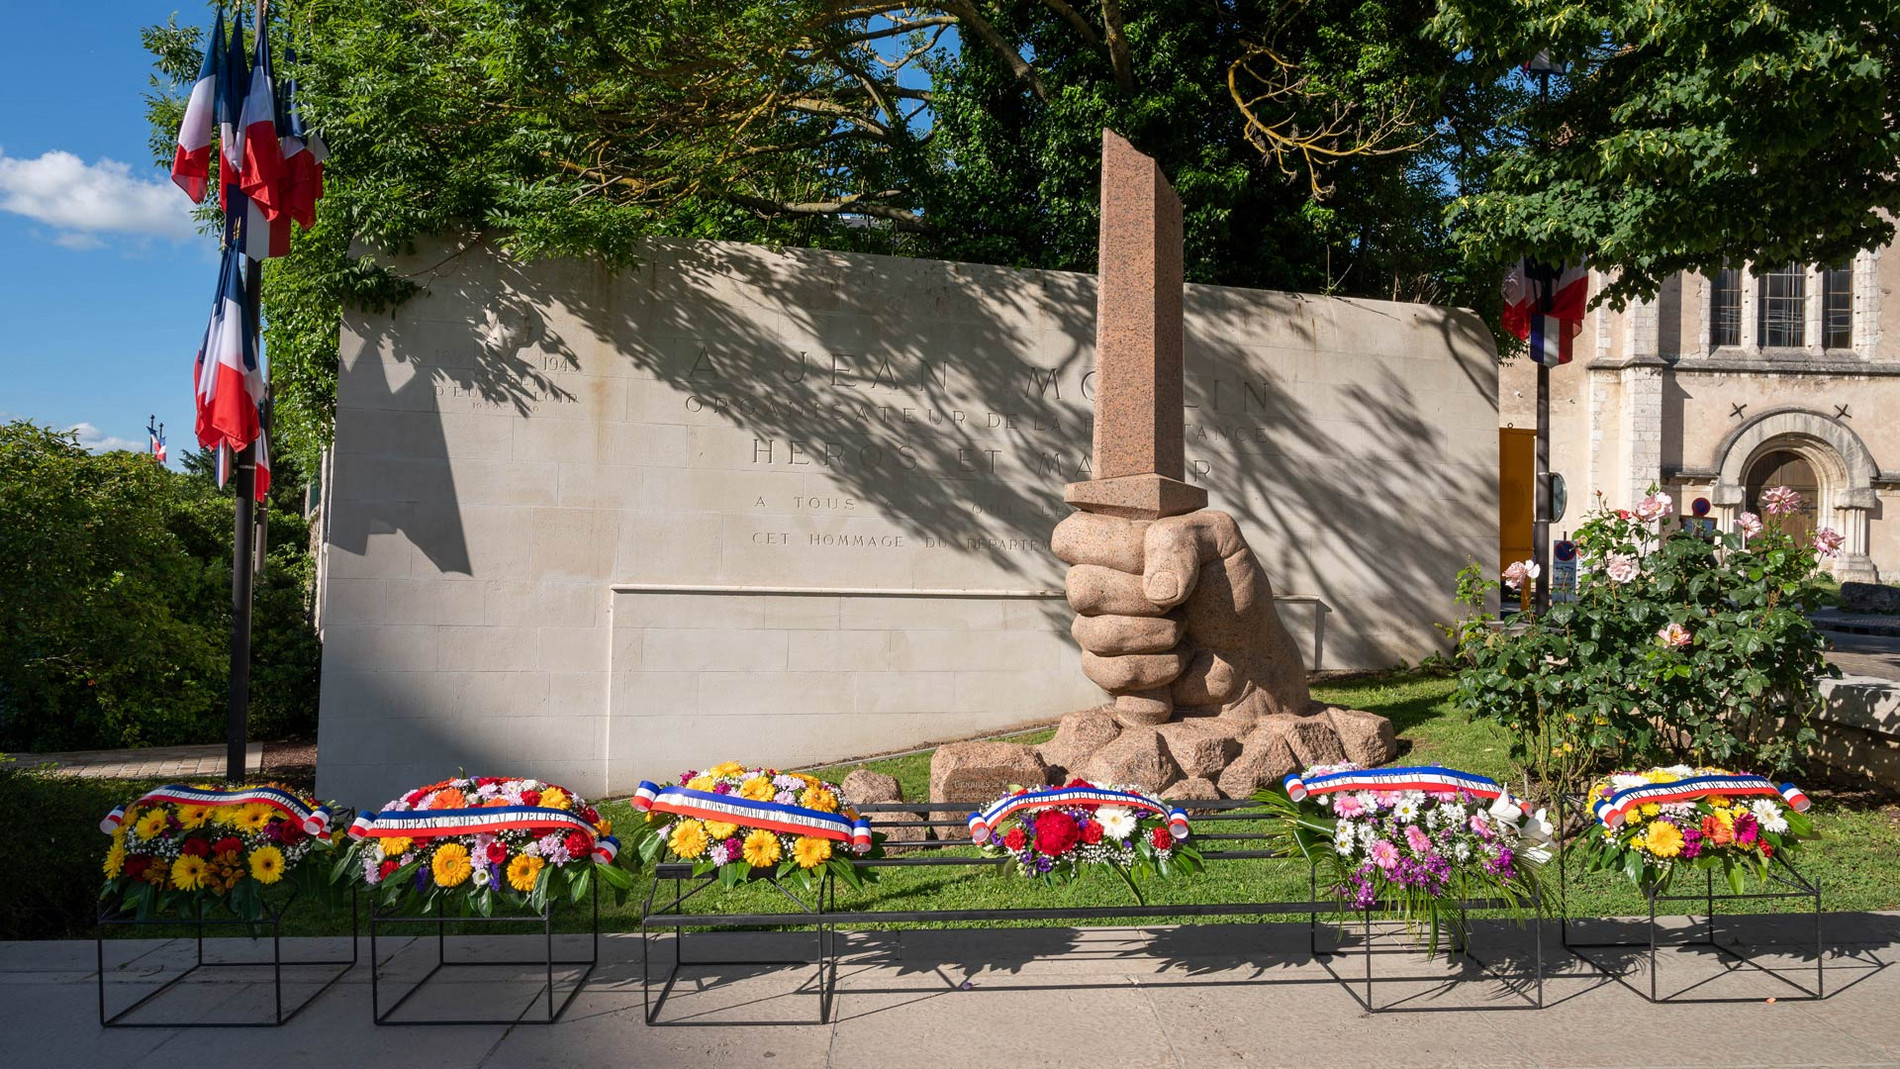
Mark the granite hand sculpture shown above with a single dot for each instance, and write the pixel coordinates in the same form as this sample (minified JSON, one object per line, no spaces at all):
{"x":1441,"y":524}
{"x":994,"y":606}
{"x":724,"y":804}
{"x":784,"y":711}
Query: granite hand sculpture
{"x":1175,"y":616}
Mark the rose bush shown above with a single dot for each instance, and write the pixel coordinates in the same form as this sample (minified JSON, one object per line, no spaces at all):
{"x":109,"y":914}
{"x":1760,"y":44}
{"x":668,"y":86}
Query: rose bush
{"x":1681,"y":646}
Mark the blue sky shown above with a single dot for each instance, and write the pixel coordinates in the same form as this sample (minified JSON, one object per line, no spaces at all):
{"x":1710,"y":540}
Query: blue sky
{"x":104,"y":284}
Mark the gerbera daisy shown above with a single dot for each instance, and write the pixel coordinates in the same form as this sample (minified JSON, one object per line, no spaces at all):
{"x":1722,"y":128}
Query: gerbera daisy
{"x":721,"y":830}
{"x":554,"y":798}
{"x":761,"y":849}
{"x":267,"y":864}
{"x":394,"y":846}
{"x":115,"y":859}
{"x":451,"y":865}
{"x":688,"y":839}
{"x":253,"y":818}
{"x":193,"y":817}
{"x":811,"y":853}
{"x":820,"y":799}
{"x":188,"y":872}
{"x":152,"y":824}
{"x":757,"y":789}
{"x":523,"y":871}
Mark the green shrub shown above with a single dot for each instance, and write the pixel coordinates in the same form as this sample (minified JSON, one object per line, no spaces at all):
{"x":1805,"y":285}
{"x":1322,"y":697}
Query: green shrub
{"x":115,"y":602}
{"x":1681,"y":645}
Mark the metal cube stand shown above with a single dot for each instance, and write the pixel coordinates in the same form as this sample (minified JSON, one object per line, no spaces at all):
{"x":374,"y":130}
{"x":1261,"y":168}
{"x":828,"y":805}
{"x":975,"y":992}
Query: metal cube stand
{"x":273,"y":920}
{"x":381,"y":918}
{"x":1794,"y":885}
{"x":670,"y":915}
{"x":1460,"y":949}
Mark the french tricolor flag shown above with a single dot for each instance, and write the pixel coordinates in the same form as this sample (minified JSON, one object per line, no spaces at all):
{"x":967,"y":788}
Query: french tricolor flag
{"x":1544,"y":306}
{"x":262,"y":157}
{"x":191,"y":164}
{"x":247,"y":225}
{"x":230,"y":373}
{"x":304,"y":153}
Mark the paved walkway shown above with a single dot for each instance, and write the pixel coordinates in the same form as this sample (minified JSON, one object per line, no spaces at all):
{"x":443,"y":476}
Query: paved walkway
{"x":1188,"y":998}
{"x":1874,"y":656}
{"x":152,"y":762}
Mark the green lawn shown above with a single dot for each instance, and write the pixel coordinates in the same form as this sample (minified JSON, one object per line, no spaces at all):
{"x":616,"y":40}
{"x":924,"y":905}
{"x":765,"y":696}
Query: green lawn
{"x":1858,"y":862}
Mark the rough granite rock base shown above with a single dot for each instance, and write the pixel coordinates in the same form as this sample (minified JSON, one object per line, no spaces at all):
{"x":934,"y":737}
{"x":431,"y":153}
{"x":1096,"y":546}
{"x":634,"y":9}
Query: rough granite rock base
{"x":1195,"y":754}
{"x":865,"y":787}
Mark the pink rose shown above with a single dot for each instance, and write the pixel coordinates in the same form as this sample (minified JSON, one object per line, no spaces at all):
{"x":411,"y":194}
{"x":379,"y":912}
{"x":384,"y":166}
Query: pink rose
{"x":1827,"y":541}
{"x":1621,"y":568}
{"x":1780,"y":500}
{"x":1749,"y":523}
{"x":1521,"y":572}
{"x":1385,"y":855}
{"x":1674,"y":636}
{"x":1654,"y":507}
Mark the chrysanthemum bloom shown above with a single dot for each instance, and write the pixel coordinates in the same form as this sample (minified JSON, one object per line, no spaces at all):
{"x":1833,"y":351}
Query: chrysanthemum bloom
{"x":1749,"y":523}
{"x":1674,"y":636}
{"x":700,"y":783}
{"x":267,"y":864}
{"x":554,"y":798}
{"x":811,"y":853}
{"x":394,"y":846}
{"x":1663,"y":839}
{"x":688,"y":839}
{"x":450,"y":865}
{"x":1780,"y":500}
{"x":757,"y":789}
{"x":1621,"y":568}
{"x":761,"y":848}
{"x":188,"y":872}
{"x":523,"y":871}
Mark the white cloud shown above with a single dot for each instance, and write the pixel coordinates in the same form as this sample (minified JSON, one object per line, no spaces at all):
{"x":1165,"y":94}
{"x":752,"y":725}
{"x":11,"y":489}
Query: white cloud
{"x":98,"y":441}
{"x":82,"y":200}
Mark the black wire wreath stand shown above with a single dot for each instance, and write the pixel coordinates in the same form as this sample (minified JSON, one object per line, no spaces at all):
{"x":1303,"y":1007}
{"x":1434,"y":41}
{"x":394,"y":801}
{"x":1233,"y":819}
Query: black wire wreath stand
{"x":110,"y":917}
{"x":381,"y":917}
{"x":1795,"y":884}
{"x":1460,"y":949}
{"x":670,"y":915}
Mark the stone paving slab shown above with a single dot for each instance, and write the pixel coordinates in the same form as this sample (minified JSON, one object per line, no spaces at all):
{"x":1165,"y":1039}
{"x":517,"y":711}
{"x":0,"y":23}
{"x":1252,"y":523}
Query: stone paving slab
{"x":1172,"y":998}
{"x":151,"y":762}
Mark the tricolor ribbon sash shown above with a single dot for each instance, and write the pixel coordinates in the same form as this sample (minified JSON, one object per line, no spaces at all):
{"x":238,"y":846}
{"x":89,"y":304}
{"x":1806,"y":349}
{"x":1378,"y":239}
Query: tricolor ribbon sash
{"x":982,"y":823}
{"x":772,"y":816}
{"x":1615,"y":809}
{"x":429,"y":823}
{"x":1423,"y":778}
{"x":310,"y":820}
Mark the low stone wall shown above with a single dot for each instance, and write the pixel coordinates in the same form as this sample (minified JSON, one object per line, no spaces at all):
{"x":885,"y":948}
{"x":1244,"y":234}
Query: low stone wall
{"x":1859,"y":728}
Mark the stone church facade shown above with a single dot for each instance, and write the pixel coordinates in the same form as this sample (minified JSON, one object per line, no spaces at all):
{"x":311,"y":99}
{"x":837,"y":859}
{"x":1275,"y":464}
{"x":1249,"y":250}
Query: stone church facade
{"x":1730,"y":382}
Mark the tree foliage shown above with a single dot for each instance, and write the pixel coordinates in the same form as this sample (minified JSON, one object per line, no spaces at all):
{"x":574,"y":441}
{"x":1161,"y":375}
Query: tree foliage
{"x":115,"y":605}
{"x":1687,"y":135}
{"x":956,"y":129}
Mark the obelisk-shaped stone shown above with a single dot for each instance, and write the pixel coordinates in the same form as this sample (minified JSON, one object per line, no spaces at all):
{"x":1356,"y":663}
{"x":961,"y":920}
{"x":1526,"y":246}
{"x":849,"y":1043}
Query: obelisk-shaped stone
{"x":1138,"y":461}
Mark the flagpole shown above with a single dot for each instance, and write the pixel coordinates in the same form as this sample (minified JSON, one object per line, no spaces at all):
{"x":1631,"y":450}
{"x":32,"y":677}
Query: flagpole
{"x":238,"y":714}
{"x":1540,"y":516}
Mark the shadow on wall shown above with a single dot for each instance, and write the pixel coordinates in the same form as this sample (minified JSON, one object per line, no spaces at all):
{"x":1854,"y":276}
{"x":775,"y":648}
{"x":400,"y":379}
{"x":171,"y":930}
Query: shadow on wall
{"x":828,"y":349}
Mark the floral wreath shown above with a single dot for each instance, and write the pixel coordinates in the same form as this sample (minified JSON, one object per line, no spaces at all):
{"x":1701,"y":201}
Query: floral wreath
{"x":737,"y":822}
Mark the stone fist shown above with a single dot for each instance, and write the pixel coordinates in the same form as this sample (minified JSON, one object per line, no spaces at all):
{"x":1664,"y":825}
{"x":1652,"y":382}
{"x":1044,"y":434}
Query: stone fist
{"x":1175,"y":615}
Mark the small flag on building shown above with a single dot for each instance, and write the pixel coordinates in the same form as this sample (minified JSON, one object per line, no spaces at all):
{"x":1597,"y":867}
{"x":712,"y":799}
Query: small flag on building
{"x":191,"y":164}
{"x":1544,"y":306}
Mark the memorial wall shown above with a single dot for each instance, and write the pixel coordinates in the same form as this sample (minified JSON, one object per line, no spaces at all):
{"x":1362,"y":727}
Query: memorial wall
{"x":788,"y":506}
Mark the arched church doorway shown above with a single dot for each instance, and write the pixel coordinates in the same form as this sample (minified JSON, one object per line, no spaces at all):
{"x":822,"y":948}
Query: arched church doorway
{"x":1784,"y":467}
